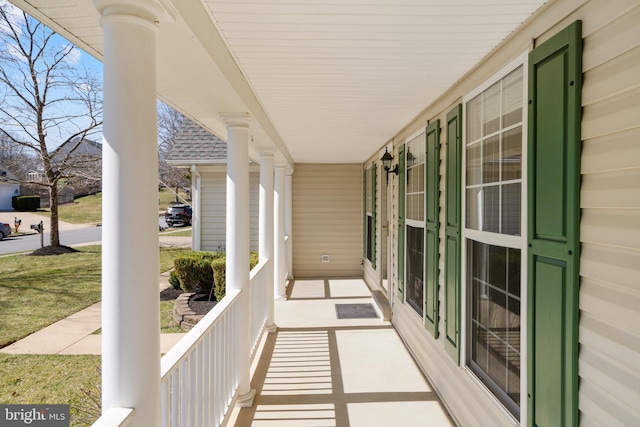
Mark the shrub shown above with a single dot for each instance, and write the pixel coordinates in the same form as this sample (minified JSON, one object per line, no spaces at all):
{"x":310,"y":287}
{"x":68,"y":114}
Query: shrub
{"x":219,"y":267}
{"x":253,"y":259}
{"x":174,"y":280}
{"x":25,"y":203}
{"x":194,"y":272}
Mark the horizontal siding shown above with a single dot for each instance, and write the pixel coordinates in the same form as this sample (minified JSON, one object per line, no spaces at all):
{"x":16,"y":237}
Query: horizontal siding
{"x":327,"y":210}
{"x":611,"y":227}
{"x":613,"y":152}
{"x":609,"y":388}
{"x":609,"y":336}
{"x":214,"y":210}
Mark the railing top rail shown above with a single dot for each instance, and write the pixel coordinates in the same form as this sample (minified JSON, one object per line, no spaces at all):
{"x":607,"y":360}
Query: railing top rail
{"x":120,"y":417}
{"x":257,"y":268}
{"x":182,"y":349}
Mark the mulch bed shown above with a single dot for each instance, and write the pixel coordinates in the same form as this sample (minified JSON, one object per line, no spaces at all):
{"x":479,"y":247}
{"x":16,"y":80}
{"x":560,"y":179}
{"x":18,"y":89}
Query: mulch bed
{"x":53,"y":250}
{"x":198,"y":302}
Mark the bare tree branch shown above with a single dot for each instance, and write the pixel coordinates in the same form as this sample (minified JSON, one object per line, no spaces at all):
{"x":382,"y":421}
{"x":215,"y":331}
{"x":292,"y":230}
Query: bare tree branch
{"x":46,"y":94}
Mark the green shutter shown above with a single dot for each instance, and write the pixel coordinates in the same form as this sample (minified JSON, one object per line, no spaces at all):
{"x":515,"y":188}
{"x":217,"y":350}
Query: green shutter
{"x":555,"y":81}
{"x":432,"y":212}
{"x":374,"y":188}
{"x":452,"y":244}
{"x":402,"y":184}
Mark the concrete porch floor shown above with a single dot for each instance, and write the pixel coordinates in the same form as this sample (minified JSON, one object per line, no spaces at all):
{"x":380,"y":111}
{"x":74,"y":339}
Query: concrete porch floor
{"x":318,"y":370}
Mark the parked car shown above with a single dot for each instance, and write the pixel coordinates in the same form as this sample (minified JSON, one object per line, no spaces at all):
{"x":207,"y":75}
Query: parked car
{"x":178,"y":215}
{"x":5,"y":230}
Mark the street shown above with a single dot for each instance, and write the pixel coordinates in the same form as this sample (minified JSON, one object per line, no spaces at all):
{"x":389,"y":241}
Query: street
{"x":31,"y":242}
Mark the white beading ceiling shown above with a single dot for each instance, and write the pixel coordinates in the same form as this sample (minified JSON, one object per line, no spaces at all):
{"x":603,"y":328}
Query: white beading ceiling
{"x":327,"y":81}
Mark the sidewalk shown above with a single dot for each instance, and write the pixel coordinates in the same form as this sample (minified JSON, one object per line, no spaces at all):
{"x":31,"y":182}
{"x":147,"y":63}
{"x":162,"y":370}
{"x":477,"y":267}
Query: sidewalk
{"x":74,"y":334}
{"x":29,"y":218}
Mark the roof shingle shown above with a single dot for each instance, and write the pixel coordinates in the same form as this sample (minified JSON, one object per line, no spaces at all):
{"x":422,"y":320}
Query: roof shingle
{"x":194,"y":143}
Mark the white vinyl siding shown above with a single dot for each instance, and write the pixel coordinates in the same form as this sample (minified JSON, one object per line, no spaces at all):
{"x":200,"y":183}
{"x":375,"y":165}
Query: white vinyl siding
{"x":609,"y":392}
{"x":7,"y":191}
{"x":214,"y":211}
{"x":327,"y":220}
{"x":609,"y":336}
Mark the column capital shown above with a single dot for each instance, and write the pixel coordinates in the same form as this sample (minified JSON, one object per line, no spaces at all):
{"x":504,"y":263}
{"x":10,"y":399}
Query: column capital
{"x":267,"y":153}
{"x":152,"y":10}
{"x":236,"y":119}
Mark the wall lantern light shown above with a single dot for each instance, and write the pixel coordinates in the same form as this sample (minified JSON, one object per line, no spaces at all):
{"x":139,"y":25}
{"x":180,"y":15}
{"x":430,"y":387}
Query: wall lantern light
{"x":387,"y":159}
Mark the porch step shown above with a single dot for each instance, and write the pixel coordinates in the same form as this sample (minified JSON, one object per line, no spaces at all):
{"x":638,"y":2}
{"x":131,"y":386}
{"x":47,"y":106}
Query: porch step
{"x":381,"y":304}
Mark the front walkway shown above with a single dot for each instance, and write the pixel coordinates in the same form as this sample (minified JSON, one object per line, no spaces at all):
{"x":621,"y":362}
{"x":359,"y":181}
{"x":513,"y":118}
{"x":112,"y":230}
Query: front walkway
{"x":75,"y":334}
{"x":318,"y":370}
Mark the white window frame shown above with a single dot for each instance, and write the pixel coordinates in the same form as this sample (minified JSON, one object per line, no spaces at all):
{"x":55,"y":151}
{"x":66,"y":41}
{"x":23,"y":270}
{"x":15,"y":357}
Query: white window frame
{"x":510,"y":241}
{"x":369,"y":212}
{"x":413,"y":223}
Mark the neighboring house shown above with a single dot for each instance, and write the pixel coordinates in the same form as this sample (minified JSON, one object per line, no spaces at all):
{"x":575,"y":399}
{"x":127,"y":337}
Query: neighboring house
{"x":205,"y":155}
{"x":83,"y":160}
{"x":84,"y":163}
{"x":7,"y":190}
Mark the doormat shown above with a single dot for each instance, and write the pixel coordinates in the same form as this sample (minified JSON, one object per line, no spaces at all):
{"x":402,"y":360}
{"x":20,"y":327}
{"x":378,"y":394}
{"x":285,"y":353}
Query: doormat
{"x":356,"y":311}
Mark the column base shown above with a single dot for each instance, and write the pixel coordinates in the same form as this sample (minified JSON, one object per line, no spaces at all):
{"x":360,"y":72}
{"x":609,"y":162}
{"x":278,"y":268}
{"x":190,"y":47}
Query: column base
{"x":246,"y":400}
{"x":271,"y":328}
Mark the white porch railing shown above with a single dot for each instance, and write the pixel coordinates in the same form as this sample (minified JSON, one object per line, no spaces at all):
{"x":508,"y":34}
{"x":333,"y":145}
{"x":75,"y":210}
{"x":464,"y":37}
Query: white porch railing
{"x":119,"y":417}
{"x":199,"y":374}
{"x":261,"y":291}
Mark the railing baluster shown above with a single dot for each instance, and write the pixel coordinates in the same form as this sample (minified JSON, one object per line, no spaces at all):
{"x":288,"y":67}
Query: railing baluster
{"x":199,"y":375}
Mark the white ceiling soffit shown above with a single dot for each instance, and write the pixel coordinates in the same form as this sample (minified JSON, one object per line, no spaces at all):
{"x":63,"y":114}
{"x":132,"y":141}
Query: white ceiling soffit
{"x":339,"y":78}
{"x":326,"y":81}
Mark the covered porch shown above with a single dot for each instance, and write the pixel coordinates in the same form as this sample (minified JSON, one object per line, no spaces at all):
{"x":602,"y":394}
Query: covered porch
{"x":330,"y":364}
{"x":333,"y":361}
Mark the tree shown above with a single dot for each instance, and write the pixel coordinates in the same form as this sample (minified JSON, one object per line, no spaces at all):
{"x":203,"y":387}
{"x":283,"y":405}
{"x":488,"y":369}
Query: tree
{"x":169,"y":123}
{"x":48,"y":100}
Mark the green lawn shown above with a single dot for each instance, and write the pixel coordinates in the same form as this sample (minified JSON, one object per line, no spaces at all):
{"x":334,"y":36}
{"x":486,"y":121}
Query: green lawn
{"x":88,"y":209}
{"x":38,"y":291}
{"x":53,"y":379}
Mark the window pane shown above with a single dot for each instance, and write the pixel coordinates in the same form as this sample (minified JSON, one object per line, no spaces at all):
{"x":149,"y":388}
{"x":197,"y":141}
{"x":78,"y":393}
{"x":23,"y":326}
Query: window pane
{"x":421,"y":177}
{"x":369,"y":237}
{"x":415,"y":262}
{"x":491,"y":159}
{"x":491,"y":105}
{"x":491,"y":209}
{"x":473,"y":208}
{"x":511,"y":209}
{"x":512,"y":98}
{"x":495,"y":320}
{"x":474,"y":118}
{"x":512,"y":154}
{"x":474,"y":164}
{"x":367,"y":180}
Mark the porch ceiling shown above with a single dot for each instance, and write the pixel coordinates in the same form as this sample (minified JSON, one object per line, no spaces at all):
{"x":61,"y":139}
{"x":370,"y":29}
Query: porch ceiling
{"x":326,"y":82}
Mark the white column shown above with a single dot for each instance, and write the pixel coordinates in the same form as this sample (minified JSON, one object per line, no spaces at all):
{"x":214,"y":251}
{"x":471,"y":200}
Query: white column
{"x":196,"y":198}
{"x":265,"y":226}
{"x":279,"y":247}
{"x":238,"y":243}
{"x":130,"y":305}
{"x":288,"y":222}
